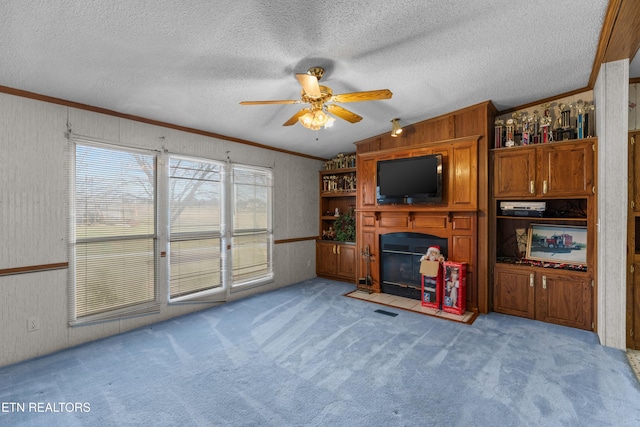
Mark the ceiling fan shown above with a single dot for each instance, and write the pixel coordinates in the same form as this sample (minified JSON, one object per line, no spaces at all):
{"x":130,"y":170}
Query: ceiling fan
{"x":317,"y":96}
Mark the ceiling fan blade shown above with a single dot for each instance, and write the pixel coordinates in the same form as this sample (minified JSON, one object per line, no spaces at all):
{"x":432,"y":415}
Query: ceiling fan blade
{"x":343,"y":113}
{"x":371,"y":95}
{"x":310,"y":85}
{"x":285,"y":101}
{"x":294,"y":119}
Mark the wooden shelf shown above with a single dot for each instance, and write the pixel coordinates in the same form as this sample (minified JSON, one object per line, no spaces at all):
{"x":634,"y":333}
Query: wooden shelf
{"x":544,"y":218}
{"x":337,"y":171}
{"x":525,"y":265}
{"x":521,"y":147}
{"x":338,"y":194}
{"x":336,"y":259}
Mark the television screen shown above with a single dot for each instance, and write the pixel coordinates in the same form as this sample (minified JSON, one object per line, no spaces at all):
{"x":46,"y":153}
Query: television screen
{"x":410,"y":180}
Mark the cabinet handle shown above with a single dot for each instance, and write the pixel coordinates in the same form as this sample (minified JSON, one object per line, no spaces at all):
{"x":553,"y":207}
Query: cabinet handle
{"x":334,"y":249}
{"x":545,"y":187}
{"x":532,"y":187}
{"x":531,"y":280}
{"x":338,"y":250}
{"x":544,"y":282}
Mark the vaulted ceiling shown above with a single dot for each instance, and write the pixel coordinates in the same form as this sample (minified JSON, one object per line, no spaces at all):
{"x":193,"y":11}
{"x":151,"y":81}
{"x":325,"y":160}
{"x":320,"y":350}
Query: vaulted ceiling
{"x":190,"y":63}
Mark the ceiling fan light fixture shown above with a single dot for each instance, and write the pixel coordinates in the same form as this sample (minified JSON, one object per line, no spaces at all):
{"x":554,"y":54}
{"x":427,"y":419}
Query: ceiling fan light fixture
{"x":395,"y":128}
{"x":321,"y":117}
{"x":315,"y":118}
{"x":316,"y":115}
{"x":306,"y":119}
{"x":329,"y":123}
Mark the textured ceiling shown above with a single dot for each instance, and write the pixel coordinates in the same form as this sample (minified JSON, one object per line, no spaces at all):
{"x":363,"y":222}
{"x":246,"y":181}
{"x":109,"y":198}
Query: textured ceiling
{"x":191,"y":62}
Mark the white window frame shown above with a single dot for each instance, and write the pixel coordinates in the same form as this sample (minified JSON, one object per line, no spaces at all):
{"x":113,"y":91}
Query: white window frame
{"x":268,"y":229}
{"x":147,"y":307}
{"x":162,"y":238}
{"x":216,"y":294}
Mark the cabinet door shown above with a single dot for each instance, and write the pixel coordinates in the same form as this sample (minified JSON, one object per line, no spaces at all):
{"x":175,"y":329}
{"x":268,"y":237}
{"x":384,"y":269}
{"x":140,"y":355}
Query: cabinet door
{"x":463,"y":175}
{"x":326,"y":254}
{"x":634,"y":170}
{"x":514,"y":173}
{"x":564,"y":299}
{"x":633,"y":309}
{"x":346,"y":261}
{"x":567,"y":169}
{"x":367,"y":182}
{"x":514,"y":292}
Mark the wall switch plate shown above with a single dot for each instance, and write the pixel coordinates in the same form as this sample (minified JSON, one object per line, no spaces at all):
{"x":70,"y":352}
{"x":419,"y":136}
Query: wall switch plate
{"x":33,"y":324}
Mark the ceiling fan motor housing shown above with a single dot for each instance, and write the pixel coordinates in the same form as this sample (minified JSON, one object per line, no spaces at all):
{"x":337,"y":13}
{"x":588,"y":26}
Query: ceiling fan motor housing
{"x":317,"y":72}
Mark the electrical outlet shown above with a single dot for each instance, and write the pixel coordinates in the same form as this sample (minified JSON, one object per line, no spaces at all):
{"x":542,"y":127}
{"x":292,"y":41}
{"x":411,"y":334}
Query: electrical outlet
{"x":33,"y":324}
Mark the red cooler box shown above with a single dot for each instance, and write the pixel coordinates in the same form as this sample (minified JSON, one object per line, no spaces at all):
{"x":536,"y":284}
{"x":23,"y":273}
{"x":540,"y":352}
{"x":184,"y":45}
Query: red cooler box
{"x":454,"y":299}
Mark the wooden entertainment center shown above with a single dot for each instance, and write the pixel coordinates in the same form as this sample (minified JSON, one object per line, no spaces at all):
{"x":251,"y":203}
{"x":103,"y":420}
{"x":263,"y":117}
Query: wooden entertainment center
{"x":544,"y":287}
{"x":476,"y":179}
{"x":461,"y":218}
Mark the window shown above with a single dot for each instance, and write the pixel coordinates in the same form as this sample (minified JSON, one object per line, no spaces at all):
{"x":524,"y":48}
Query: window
{"x":116,"y":214}
{"x":252,"y":234}
{"x":195,"y":226}
{"x":113,"y":233}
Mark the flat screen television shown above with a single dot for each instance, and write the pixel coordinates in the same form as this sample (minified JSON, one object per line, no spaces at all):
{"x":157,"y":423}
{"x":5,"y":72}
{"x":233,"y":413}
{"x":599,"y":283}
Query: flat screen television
{"x":411,"y":180}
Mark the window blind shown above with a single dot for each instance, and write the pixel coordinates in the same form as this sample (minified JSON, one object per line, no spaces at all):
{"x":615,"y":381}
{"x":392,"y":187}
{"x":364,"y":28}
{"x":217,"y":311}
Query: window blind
{"x":195,"y":229}
{"x":114,"y":232}
{"x":252,"y":234}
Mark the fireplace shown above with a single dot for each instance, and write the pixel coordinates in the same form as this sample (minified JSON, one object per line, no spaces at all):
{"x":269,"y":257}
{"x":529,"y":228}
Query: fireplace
{"x":400,"y":266}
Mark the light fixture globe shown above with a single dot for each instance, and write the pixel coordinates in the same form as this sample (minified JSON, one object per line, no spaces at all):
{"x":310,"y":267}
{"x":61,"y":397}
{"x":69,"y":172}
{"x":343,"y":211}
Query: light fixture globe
{"x":315,"y":118}
{"x":306,"y":119}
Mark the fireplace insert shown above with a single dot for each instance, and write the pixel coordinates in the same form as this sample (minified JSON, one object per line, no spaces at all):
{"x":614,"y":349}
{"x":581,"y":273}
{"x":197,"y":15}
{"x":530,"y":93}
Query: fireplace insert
{"x":400,"y":266}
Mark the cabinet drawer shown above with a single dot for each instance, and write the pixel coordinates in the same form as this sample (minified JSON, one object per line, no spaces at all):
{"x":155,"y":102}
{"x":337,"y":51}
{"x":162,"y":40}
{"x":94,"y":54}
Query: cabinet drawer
{"x":462,"y":223}
{"x":368,"y":220}
{"x":430,"y":221}
{"x":394,"y":220}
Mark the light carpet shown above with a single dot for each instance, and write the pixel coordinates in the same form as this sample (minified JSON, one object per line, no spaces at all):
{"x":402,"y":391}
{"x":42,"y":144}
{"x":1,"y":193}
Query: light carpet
{"x":305,"y":355}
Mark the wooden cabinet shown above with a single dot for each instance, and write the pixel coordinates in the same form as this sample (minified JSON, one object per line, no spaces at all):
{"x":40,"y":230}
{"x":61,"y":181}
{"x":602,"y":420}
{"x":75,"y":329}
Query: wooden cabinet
{"x":514,"y":291}
{"x":550,"y":170}
{"x":633,"y":307}
{"x":633,"y":245}
{"x":553,"y":296}
{"x":337,"y":194}
{"x":367,"y":187}
{"x":336,"y":260}
{"x":567,"y":169}
{"x":565,"y":298}
{"x":549,"y":282}
{"x":514,"y":173}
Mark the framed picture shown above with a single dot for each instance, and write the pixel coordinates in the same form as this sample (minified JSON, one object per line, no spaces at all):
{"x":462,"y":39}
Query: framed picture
{"x":562,"y":244}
